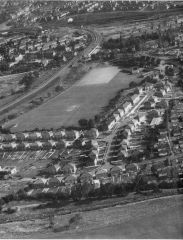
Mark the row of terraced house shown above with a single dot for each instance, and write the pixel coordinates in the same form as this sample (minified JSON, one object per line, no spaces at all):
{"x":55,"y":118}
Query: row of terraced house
{"x":124,"y":108}
{"x":43,"y":139}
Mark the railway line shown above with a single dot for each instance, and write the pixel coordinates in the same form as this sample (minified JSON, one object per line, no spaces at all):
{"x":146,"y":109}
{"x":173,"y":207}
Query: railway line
{"x":96,"y":40}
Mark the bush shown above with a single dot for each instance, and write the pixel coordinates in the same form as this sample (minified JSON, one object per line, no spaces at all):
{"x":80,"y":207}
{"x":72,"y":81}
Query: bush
{"x":83,"y":123}
{"x":58,"y":88}
{"x":12,"y":116}
{"x":132,"y":84}
{"x":75,"y":219}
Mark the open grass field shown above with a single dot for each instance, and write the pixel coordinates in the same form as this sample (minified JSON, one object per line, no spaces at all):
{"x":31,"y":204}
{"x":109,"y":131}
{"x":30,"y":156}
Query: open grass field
{"x":159,"y":218}
{"x":83,"y":100}
{"x":155,"y":218}
{"x":106,"y":17}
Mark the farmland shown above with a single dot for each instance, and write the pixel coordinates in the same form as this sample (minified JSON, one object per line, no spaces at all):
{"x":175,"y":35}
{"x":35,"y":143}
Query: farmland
{"x":82,"y":100}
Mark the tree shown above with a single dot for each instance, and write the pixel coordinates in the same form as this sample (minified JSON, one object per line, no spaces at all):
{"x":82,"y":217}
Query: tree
{"x":58,"y":88}
{"x":91,"y":123}
{"x":83,"y":123}
{"x":132,"y":84}
{"x":97,"y":118}
{"x":27,"y":80}
{"x":86,"y":189}
{"x":76,"y":192}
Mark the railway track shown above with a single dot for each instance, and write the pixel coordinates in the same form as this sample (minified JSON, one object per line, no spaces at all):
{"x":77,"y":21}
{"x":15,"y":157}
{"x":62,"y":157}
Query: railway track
{"x":96,"y":39}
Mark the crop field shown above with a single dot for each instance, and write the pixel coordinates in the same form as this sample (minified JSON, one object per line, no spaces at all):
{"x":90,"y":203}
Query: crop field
{"x":82,"y":100}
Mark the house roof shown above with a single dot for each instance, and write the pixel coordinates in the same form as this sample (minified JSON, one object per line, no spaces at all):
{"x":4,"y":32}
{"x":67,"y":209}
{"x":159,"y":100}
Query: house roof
{"x":101,"y":171}
{"x":118,"y":168}
{"x":156,"y":121}
{"x":40,"y":181}
{"x":126,"y":104}
{"x":53,"y":180}
{"x":71,"y":177}
{"x":134,"y":97}
{"x":73,"y":165}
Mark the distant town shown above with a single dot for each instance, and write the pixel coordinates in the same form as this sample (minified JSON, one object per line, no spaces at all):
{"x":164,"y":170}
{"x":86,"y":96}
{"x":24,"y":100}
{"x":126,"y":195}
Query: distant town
{"x":91,"y":105}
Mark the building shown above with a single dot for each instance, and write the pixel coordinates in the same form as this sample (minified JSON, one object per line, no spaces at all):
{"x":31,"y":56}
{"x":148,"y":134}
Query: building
{"x":86,"y":177}
{"x":141,"y":118}
{"x":39,"y":183}
{"x":71,"y":180}
{"x":55,"y":182}
{"x":93,"y":133}
{"x":135,"y":99}
{"x":121,"y":112}
{"x":160,"y":93}
{"x":94,"y":145}
{"x":110,"y":123}
{"x":101,"y":173}
{"x":131,"y":127}
{"x":127,"y":106}
{"x":116,"y":116}
{"x":132,"y":167}
{"x":127,"y":133}
{"x":69,"y":168}
{"x":116,"y":173}
{"x":94,"y":157}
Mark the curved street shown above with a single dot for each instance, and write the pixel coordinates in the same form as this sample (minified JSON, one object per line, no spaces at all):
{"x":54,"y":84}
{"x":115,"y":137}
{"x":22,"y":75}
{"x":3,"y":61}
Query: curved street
{"x":96,"y":40}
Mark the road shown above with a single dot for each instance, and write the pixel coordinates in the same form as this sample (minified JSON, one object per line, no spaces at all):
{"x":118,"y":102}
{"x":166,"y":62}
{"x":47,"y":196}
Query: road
{"x":96,"y":40}
{"x":123,"y":122}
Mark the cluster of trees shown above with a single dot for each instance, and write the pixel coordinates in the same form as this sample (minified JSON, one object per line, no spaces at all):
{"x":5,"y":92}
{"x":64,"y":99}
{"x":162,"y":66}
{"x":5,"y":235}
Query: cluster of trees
{"x":4,"y":130}
{"x":87,"y":190}
{"x":136,"y":43}
{"x":28,"y":79}
{"x":87,"y":124}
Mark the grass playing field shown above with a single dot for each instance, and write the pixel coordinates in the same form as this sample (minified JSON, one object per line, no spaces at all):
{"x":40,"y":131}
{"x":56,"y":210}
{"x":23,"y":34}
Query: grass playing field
{"x":82,"y":100}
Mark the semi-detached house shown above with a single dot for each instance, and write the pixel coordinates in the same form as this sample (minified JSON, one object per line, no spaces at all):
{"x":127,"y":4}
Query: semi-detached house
{"x":121,"y":111}
{"x":127,"y":106}
{"x":135,"y":99}
{"x":110,"y":123}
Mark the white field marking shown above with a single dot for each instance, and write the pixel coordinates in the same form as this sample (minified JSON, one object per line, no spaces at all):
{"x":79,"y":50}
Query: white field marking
{"x":72,"y":108}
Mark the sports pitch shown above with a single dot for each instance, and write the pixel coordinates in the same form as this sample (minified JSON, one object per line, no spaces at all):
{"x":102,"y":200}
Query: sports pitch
{"x":83,"y":100}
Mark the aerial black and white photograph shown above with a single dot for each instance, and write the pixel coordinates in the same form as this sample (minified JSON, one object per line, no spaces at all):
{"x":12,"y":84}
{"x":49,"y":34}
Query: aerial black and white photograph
{"x":91,"y":119}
